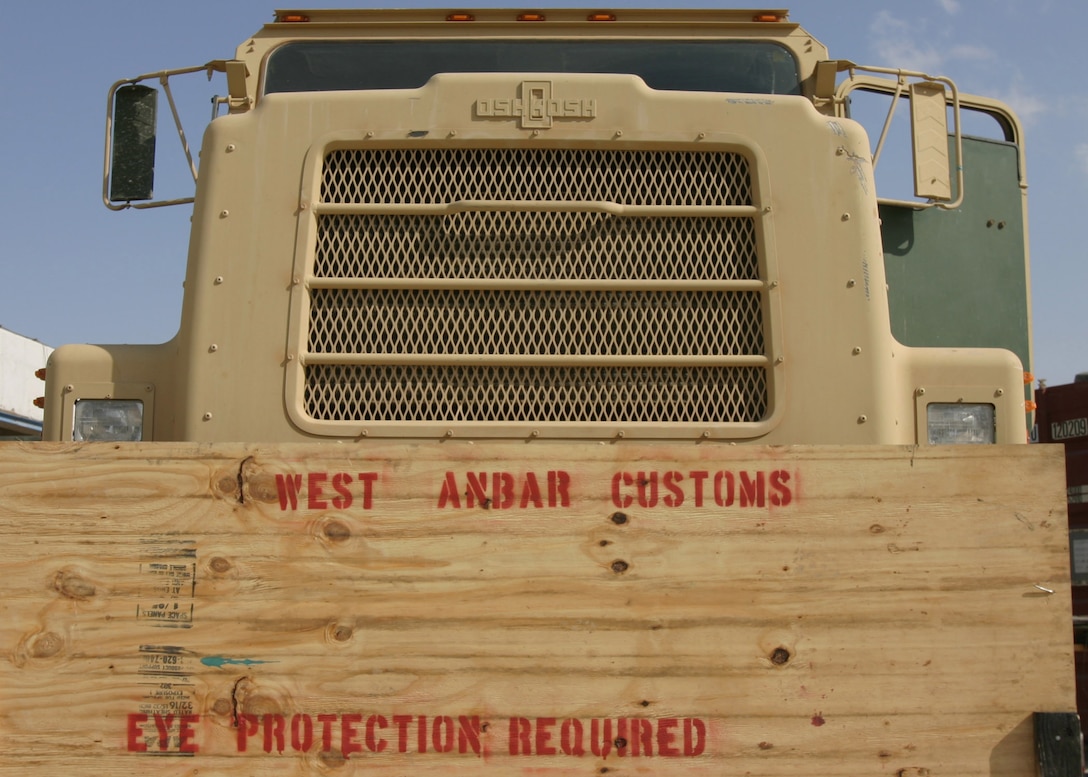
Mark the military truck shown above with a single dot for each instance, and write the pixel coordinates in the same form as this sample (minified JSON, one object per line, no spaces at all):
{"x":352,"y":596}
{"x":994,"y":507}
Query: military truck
{"x":663,"y":439}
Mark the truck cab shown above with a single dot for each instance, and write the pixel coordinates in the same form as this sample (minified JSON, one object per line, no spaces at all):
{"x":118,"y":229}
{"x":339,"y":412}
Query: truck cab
{"x":506,"y":226}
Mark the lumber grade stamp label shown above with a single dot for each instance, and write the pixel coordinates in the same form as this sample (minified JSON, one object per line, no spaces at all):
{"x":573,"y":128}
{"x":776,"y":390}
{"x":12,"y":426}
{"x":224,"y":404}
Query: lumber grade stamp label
{"x":164,"y":674}
{"x":169,"y":578}
{"x":361,"y":734}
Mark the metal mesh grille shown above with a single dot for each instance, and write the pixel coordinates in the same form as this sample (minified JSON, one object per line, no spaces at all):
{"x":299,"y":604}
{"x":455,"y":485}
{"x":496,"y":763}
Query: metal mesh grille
{"x":535,"y":246}
{"x":555,"y":323}
{"x":447,"y":175}
{"x":526,"y":315}
{"x":532,"y":394}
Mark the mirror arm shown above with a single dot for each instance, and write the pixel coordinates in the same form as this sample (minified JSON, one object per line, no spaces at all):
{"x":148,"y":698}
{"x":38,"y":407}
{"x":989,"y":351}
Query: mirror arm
{"x":236,"y":74}
{"x":165,"y":81}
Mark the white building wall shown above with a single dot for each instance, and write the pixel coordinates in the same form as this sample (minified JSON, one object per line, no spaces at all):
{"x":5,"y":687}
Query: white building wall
{"x":19,"y":358}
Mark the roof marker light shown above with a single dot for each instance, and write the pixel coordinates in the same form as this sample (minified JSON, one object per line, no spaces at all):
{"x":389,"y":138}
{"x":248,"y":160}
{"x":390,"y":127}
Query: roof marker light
{"x":601,"y":17}
{"x":460,"y":17}
{"x":768,"y":17}
{"x":530,"y":17}
{"x":292,"y":18}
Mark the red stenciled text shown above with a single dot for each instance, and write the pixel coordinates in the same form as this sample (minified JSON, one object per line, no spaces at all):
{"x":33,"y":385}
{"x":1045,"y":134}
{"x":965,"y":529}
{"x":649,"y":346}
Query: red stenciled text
{"x":325,"y":490}
{"x":702,"y":488}
{"x":505,"y":490}
{"x":602,"y":737}
{"x":171,"y":733}
{"x":359,"y":735}
{"x":354,"y":733}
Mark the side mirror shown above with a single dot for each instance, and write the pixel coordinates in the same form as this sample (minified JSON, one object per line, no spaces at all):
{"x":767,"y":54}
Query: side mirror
{"x":132,"y":158}
{"x":929,"y":134}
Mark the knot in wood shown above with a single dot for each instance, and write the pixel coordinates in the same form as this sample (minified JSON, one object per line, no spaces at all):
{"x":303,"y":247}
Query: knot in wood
{"x":780,"y":656}
{"x":46,"y":645}
{"x":337,"y":531}
{"x":228,"y":486}
{"x":340,"y":632}
{"x":333,"y":759}
{"x":72,"y":585}
{"x":261,"y":487}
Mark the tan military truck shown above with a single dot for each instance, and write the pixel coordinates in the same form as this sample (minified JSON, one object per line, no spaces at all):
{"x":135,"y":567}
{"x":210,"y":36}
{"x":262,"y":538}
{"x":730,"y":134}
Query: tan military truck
{"x":649,"y":416}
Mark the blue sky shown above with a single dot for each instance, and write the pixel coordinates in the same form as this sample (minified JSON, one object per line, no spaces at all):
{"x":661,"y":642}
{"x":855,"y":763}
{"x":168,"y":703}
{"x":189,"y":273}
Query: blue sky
{"x":76,"y":272}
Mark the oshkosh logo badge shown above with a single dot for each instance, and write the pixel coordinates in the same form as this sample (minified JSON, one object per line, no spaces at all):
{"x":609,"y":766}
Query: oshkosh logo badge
{"x":535,"y":106}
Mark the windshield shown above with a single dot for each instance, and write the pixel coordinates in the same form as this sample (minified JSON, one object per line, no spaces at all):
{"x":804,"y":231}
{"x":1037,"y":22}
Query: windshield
{"x":703,"y":66}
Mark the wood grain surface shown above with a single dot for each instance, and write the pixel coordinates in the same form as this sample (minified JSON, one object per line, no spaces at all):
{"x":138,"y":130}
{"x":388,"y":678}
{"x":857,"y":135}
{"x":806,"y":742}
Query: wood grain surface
{"x":450,"y":608}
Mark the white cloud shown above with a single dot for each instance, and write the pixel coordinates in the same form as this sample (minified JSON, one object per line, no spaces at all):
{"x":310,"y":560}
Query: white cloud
{"x":1026,"y":102}
{"x":971,"y":53}
{"x":921,"y":44}
{"x":892,"y":39}
{"x":1081,"y":153}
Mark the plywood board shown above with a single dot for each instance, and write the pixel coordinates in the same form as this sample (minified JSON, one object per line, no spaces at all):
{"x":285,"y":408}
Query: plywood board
{"x":451,"y":608}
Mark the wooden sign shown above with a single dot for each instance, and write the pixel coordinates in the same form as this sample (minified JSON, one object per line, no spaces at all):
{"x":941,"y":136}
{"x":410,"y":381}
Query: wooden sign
{"x":452,"y":608}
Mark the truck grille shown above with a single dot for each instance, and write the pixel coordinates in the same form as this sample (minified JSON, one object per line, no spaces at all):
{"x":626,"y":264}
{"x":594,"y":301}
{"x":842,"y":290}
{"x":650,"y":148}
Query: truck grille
{"x":507,"y":286}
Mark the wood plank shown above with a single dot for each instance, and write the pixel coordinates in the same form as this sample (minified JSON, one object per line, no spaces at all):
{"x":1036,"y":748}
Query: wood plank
{"x":544,"y":608}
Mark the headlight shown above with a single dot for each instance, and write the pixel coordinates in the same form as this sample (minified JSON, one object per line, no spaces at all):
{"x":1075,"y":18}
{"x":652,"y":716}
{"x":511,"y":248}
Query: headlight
{"x":108,"y":420}
{"x":958,"y":423}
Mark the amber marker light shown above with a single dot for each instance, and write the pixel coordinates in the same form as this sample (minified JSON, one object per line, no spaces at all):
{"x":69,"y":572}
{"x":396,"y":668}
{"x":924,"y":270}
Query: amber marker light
{"x":601,"y":17}
{"x":292,"y":18}
{"x":40,"y":373}
{"x":460,"y":17}
{"x":530,"y":17}
{"x":768,"y":17}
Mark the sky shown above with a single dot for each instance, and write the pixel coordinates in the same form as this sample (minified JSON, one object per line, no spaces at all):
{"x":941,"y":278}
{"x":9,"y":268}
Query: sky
{"x":74,"y":271}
